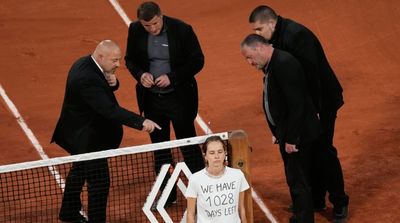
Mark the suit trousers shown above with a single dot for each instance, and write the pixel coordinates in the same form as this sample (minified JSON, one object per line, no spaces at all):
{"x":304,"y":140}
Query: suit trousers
{"x":165,"y":109}
{"x":326,"y":168}
{"x":96,"y":174}
{"x":297,"y":171}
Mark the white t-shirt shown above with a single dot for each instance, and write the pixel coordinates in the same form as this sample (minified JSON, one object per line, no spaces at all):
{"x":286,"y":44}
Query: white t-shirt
{"x":217,"y":198}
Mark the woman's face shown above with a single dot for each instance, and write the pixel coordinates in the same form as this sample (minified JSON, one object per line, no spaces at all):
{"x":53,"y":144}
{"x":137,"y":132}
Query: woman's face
{"x":215,"y":154}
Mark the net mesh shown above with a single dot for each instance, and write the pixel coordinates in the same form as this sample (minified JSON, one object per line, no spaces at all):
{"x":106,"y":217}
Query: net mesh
{"x":127,"y":181}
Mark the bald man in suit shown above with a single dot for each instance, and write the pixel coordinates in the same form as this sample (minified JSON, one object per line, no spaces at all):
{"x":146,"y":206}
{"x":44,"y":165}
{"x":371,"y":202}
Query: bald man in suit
{"x":91,"y":120}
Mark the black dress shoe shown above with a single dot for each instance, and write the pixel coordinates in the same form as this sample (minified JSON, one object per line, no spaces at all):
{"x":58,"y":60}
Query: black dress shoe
{"x":340,"y":214}
{"x":74,"y":219}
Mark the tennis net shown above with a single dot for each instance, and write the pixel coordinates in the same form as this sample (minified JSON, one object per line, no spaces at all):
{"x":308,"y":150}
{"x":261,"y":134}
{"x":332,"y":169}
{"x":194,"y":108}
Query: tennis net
{"x":136,"y":184}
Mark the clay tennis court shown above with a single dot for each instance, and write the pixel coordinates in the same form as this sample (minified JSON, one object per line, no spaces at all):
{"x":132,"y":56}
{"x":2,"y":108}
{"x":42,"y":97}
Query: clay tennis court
{"x":40,"y":40}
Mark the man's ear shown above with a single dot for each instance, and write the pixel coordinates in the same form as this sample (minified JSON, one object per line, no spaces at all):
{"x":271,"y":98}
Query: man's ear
{"x":272,"y":23}
{"x":100,"y":56}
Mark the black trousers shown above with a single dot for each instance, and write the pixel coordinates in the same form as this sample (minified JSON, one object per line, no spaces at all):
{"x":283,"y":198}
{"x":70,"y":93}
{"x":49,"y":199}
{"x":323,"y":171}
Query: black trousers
{"x":297,"y":172}
{"x":96,"y":174}
{"x":326,"y":168}
{"x":165,"y":109}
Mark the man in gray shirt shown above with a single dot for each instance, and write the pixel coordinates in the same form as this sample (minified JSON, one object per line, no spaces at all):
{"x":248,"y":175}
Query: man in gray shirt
{"x":163,"y":54}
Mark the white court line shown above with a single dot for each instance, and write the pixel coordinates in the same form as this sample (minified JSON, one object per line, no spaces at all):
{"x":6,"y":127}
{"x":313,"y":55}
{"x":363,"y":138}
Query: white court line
{"x":203,"y":125}
{"x":28,"y":132}
{"x":262,"y":206}
{"x":199,"y":120}
{"x":121,"y":12}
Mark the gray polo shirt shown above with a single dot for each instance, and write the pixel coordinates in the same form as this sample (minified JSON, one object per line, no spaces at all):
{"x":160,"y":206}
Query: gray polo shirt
{"x":158,"y":51}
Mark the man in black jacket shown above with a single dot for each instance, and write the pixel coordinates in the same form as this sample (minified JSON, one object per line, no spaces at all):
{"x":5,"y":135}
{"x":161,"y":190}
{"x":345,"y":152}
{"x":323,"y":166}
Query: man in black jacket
{"x":326,"y":93}
{"x":91,"y":120}
{"x":164,"y":55}
{"x":291,"y":117}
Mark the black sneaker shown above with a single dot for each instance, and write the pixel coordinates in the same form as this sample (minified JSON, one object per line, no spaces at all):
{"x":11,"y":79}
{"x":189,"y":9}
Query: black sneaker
{"x":74,"y":219}
{"x":340,"y":214}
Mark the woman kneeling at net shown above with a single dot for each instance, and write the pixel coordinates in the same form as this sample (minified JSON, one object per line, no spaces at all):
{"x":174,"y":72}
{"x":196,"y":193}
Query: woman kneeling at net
{"x":217,"y":191}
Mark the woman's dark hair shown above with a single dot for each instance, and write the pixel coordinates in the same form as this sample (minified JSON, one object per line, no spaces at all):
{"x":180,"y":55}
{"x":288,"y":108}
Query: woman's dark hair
{"x":212,"y":139}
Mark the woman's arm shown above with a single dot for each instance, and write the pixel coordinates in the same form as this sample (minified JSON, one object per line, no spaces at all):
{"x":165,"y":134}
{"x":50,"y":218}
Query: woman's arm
{"x":191,"y":210}
{"x":242,"y":208}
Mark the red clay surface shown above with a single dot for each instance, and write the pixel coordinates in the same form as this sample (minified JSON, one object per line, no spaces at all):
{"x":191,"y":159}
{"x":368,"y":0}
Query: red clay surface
{"x":41,"y":39}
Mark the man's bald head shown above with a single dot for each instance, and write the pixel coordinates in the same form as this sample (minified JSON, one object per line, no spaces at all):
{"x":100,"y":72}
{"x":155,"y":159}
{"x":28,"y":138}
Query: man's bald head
{"x":105,"y":47}
{"x":108,"y":55}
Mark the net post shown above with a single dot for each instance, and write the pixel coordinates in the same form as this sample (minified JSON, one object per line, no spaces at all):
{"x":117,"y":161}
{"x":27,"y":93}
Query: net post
{"x":240,"y":158}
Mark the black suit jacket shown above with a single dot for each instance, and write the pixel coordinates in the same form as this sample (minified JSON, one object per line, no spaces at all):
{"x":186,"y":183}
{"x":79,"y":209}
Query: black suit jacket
{"x":289,"y":101}
{"x":91,"y":119}
{"x":186,"y":60}
{"x":299,"y":41}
